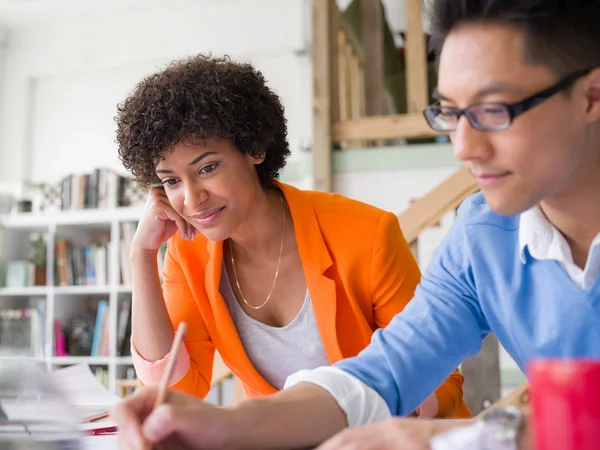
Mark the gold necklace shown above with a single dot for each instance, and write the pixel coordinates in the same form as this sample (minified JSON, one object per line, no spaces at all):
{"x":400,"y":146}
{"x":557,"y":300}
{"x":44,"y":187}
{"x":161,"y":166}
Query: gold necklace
{"x":276,"y":272}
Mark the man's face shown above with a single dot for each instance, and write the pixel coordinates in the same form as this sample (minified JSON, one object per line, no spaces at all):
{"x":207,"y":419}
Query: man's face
{"x":540,"y":154}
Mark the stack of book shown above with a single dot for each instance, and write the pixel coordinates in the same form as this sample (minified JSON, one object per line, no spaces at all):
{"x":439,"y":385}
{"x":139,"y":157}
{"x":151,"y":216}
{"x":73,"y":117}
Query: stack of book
{"x":81,"y":265}
{"x":22,"y":331}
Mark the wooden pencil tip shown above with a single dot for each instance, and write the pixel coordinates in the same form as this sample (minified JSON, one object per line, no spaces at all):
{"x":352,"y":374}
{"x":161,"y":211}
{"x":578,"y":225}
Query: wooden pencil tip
{"x":182,"y":328}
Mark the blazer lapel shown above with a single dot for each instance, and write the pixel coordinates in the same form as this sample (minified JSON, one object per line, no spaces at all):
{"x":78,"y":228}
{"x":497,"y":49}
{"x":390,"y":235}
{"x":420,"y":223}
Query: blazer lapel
{"x":316,"y":260}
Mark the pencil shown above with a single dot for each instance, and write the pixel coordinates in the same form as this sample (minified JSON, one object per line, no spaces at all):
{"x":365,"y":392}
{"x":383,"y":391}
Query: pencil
{"x":165,"y":381}
{"x":96,"y":417}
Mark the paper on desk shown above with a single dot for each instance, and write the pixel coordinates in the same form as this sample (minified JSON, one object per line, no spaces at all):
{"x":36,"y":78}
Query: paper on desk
{"x":13,"y":432}
{"x":83,"y":393}
{"x":100,"y":442}
{"x":82,"y":388}
{"x":11,"y":428}
{"x":33,"y":411}
{"x":97,"y":425}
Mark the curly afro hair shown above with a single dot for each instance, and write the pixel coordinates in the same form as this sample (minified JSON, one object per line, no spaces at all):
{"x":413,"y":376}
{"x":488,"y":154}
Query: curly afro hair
{"x":202,"y":97}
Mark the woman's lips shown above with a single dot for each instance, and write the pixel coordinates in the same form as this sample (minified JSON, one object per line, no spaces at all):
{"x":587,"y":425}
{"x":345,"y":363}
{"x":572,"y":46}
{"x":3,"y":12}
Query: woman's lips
{"x":207,"y":217}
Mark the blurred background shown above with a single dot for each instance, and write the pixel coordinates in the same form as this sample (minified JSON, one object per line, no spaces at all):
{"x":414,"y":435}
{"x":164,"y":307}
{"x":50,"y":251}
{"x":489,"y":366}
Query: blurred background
{"x":353,"y":78}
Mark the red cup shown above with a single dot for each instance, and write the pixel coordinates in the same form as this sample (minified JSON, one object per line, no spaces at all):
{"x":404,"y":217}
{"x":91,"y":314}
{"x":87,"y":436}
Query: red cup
{"x":565,"y":403}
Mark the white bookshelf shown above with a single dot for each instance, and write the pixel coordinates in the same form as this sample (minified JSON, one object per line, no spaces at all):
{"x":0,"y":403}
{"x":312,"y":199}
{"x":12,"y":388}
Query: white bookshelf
{"x":65,"y":302}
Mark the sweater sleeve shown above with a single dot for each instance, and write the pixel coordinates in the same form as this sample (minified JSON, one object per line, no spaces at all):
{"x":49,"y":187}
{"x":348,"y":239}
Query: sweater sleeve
{"x":394,"y":277}
{"x":436,"y":330}
{"x":193,"y":372}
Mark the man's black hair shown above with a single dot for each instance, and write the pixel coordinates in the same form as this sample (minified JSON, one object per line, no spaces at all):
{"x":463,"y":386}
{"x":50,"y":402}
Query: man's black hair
{"x":561,"y":34}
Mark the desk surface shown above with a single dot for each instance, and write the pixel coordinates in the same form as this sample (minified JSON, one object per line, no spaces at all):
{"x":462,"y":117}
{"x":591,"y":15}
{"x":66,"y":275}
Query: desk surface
{"x":109,"y":442}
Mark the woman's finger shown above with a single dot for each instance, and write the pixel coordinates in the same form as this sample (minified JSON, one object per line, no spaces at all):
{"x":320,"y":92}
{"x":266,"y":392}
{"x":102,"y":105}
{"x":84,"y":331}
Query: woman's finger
{"x":170,"y":213}
{"x":186,"y":229}
{"x":192,"y":231}
{"x":158,"y":192}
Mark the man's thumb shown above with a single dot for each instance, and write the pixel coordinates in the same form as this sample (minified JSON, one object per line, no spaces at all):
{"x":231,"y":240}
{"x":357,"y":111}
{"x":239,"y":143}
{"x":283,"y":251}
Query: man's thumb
{"x":161,"y":423}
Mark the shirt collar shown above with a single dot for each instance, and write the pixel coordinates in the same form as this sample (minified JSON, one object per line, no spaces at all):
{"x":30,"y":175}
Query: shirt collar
{"x":541,"y":238}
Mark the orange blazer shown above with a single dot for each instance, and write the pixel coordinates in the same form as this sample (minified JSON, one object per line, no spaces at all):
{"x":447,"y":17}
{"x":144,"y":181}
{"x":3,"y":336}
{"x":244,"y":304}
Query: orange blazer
{"x":359,"y":270}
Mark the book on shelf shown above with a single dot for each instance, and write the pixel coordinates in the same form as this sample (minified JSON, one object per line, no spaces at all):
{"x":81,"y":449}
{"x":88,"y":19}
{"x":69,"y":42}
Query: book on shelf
{"x":19,"y":273}
{"x":127,"y":234}
{"x":102,"y":188}
{"x":101,"y":374}
{"x":81,"y":265}
{"x":84,"y":335}
{"x":124,"y":329}
{"x":162,"y":251}
{"x":90,"y":335}
{"x":22,"y":330}
{"x":60,"y":344}
{"x":100,"y":341}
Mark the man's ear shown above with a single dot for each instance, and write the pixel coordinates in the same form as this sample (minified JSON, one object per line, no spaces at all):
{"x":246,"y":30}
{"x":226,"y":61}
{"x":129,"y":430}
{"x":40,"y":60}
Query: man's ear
{"x":593,"y":96}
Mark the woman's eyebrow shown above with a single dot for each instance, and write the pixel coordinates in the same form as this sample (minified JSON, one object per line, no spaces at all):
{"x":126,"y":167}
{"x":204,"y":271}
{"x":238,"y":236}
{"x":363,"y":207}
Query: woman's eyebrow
{"x":193,"y":163}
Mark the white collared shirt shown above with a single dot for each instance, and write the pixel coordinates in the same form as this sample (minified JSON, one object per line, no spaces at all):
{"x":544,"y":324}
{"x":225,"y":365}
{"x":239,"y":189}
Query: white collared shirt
{"x":545,"y":242}
{"x":364,"y":405}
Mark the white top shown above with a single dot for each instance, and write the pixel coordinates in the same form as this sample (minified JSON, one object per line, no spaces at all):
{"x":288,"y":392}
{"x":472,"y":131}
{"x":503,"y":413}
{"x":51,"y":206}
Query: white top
{"x":277,"y":352}
{"x":363,"y":405}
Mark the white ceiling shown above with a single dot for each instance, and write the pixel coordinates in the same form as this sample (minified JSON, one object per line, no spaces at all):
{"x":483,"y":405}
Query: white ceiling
{"x":28,"y":13}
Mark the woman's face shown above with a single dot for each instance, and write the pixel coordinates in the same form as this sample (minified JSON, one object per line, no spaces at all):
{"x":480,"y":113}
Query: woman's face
{"x":211,"y":184}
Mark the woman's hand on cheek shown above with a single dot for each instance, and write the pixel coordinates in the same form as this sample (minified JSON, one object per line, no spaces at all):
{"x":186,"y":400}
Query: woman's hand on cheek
{"x":159,"y":222}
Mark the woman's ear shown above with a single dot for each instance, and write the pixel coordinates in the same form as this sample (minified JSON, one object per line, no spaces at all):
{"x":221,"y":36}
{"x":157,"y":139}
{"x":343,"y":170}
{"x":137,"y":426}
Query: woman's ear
{"x":593,"y":96}
{"x":257,"y":159}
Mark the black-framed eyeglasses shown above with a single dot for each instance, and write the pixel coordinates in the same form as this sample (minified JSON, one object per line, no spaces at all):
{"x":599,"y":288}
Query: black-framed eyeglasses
{"x":493,"y":116}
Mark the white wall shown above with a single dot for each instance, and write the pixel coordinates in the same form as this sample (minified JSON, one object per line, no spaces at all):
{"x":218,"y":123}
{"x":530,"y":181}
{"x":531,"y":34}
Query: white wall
{"x":63,"y":81}
{"x":3,"y":54}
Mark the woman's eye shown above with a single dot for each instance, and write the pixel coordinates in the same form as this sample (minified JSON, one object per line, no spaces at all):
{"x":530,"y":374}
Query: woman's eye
{"x":209,"y":168}
{"x":170,"y":181}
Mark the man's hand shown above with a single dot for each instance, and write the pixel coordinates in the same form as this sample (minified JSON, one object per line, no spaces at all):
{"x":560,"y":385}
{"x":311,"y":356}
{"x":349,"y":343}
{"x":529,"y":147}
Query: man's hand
{"x":182,"y":422}
{"x":299,"y":417}
{"x":393,"y":434}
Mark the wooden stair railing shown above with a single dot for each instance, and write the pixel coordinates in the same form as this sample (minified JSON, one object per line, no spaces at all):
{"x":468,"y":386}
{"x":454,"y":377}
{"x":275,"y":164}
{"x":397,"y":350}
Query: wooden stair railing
{"x":429,"y":209}
{"x":348,"y":90}
{"x":519,"y":398}
{"x":124,"y":385}
{"x":349,"y":98}
{"x":357,"y":85}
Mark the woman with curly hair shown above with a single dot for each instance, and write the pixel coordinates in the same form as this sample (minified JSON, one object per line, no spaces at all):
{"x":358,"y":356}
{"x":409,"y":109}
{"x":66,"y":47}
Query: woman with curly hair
{"x":276,"y":279}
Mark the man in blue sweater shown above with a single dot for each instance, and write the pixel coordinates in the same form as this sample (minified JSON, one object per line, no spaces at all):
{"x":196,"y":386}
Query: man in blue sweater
{"x":519,"y":93}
